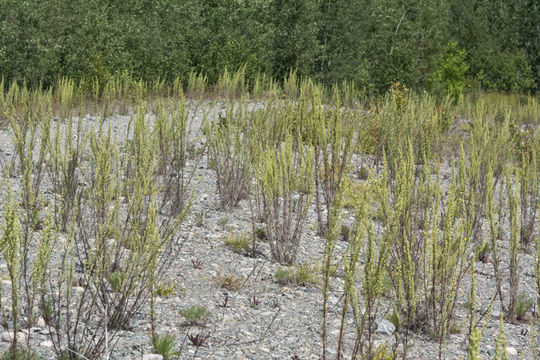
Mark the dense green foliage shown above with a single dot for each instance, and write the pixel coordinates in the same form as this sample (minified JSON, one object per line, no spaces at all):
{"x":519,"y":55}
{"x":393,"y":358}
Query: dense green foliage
{"x":373,"y":43}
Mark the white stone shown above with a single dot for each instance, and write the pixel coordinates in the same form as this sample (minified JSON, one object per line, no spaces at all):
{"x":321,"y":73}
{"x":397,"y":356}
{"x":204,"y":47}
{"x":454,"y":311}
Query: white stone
{"x":511,"y":351}
{"x":46,"y":343}
{"x":152,"y":357}
{"x":41,"y":322}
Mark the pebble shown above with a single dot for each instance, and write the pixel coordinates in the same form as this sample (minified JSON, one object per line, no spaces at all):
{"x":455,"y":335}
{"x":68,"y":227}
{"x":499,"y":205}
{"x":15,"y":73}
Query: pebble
{"x":511,"y":351}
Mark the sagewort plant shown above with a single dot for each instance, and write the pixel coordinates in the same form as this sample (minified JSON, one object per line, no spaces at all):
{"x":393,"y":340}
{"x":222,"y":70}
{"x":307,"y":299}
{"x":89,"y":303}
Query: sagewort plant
{"x":117,"y":246}
{"x":31,"y":138}
{"x":11,"y":243}
{"x":332,"y":132}
{"x":173,"y":144}
{"x":227,"y":139}
{"x":284,"y":176}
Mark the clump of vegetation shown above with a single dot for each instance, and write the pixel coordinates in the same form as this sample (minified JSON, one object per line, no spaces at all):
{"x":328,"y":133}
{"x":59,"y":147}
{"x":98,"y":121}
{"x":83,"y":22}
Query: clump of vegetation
{"x":284,"y":177}
{"x":301,"y":275}
{"x":284,"y":276}
{"x":345,"y":233}
{"x":200,"y":217}
{"x":260,"y":233}
{"x":165,"y":288}
{"x":240,"y":243}
{"x":482,"y":252}
{"x":195,"y":315}
{"x":523,"y":305}
{"x":116,"y":280}
{"x":228,"y":281}
{"x":223,"y":222}
{"x":165,"y":345}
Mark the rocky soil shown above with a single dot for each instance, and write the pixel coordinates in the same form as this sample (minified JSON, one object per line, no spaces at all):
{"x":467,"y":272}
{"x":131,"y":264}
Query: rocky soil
{"x":264,"y":319}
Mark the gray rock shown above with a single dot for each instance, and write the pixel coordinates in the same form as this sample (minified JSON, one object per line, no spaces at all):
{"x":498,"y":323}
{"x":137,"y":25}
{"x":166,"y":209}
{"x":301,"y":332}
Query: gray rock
{"x":385,"y":327}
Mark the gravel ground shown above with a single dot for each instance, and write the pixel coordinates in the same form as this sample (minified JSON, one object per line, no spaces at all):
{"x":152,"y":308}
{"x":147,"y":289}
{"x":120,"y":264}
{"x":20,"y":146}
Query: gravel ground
{"x":286,"y":322}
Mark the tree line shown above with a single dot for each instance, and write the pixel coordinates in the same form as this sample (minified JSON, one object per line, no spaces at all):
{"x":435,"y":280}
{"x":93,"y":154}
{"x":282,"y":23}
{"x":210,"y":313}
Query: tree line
{"x":432,"y":44}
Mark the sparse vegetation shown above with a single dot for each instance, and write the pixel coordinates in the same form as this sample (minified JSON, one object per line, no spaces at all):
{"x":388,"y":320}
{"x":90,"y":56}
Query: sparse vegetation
{"x":427,"y":193}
